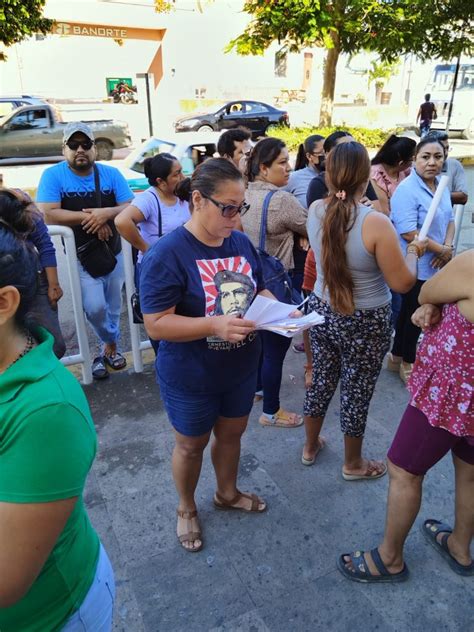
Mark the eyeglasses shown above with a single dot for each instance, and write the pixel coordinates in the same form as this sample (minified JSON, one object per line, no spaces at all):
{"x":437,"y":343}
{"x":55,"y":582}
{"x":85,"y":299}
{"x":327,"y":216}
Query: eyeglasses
{"x":228,"y":210}
{"x":75,"y":144}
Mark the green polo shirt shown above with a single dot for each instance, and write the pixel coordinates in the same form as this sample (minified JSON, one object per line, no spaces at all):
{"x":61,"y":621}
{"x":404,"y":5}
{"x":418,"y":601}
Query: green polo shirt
{"x":47,"y":446}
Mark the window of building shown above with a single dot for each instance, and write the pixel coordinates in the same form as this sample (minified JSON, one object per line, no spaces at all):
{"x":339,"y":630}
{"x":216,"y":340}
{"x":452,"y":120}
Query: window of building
{"x":281,"y":59}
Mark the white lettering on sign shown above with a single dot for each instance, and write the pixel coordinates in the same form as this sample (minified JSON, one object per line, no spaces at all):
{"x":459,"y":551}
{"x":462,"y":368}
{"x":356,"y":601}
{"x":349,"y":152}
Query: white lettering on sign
{"x":89,"y":31}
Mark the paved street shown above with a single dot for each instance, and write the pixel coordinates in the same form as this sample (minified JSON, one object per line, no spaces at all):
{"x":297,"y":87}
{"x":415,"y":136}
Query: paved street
{"x":274,"y":572}
{"x":261,"y":573}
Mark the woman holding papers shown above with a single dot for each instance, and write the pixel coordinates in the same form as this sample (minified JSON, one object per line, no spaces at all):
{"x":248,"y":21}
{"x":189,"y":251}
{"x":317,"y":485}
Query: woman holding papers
{"x":357,"y":255}
{"x":268,"y":169}
{"x":409,"y":205}
{"x":196,"y":284}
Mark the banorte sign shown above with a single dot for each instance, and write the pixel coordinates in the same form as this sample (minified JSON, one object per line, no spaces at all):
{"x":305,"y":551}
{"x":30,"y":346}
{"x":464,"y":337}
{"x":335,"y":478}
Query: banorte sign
{"x":71,"y":28}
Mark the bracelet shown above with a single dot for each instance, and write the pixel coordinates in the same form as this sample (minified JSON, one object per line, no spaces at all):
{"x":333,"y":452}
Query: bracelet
{"x":415,"y":249}
{"x":413,"y":252}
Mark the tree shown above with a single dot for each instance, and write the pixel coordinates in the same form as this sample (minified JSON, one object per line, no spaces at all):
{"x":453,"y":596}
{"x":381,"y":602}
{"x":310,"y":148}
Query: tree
{"x":20,"y":19}
{"x":379,"y":73}
{"x":391,"y":28}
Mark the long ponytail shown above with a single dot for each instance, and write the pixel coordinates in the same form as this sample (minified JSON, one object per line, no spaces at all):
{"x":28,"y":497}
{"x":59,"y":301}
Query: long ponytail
{"x":347,"y":173}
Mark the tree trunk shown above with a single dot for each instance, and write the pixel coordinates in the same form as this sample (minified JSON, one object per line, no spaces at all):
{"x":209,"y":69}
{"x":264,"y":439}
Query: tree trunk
{"x":329,"y":83}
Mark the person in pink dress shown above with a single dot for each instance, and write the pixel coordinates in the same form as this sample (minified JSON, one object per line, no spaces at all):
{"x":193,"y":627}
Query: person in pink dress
{"x":438,"y":419}
{"x":390,"y":165}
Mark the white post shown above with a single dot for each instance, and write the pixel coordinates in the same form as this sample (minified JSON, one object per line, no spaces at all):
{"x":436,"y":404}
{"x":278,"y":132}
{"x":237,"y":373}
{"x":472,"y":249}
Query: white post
{"x":84,"y":355}
{"x":458,"y":213}
{"x":137,"y":346}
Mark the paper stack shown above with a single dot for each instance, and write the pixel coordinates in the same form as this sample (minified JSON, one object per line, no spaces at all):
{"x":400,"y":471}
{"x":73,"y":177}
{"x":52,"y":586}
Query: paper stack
{"x":275,"y":316}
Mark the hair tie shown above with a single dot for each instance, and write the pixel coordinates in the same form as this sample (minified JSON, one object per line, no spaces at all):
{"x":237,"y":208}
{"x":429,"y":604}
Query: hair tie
{"x":341,"y":195}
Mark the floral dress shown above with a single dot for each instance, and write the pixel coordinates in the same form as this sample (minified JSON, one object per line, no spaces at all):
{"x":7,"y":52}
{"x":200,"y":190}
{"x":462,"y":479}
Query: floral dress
{"x":442,"y":381}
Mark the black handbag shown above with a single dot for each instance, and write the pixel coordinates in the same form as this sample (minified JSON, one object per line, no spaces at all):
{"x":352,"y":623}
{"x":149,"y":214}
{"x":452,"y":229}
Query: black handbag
{"x":96,"y":256}
{"x":276,"y":279}
{"x":135,"y":298}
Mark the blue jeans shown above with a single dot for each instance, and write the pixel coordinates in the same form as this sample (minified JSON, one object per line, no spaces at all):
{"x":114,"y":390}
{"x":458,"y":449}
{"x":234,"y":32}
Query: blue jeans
{"x":269,"y":379}
{"x":95,"y":612}
{"x":102,"y":301}
{"x":41,"y":313}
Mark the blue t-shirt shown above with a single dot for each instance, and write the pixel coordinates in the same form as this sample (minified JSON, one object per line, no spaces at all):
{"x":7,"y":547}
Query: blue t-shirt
{"x":60,"y":181}
{"x":77,"y":192}
{"x":202,"y":280}
{"x":409,"y":206}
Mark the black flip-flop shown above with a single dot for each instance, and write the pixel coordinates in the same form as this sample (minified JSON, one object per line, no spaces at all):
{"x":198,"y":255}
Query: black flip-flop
{"x":99,"y":370}
{"x":116,"y":361}
{"x":360,"y":572}
{"x":431,"y":529}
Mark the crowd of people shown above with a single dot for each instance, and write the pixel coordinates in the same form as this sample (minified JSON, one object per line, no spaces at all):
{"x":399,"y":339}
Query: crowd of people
{"x":340,"y":229}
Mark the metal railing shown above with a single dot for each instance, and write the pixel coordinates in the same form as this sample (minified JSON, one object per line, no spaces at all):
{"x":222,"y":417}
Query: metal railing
{"x":137,"y":345}
{"x":84,"y":355}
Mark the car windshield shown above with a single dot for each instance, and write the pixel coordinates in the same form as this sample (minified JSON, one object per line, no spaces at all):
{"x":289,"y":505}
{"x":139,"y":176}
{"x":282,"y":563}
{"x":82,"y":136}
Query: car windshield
{"x":151,"y":148}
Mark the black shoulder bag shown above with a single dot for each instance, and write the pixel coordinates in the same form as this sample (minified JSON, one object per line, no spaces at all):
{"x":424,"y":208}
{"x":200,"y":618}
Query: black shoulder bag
{"x":96,"y":256}
{"x":135,"y":298}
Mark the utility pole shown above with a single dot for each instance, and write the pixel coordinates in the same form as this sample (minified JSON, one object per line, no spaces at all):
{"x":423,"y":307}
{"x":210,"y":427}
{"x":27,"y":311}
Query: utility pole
{"x":455,"y":83}
{"x":146,"y":76}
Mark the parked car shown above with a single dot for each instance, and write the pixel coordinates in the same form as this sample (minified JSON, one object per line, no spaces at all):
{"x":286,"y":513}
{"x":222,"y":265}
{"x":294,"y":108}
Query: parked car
{"x":36,"y":131}
{"x":257,"y":116}
{"x":10,"y":103}
{"x":190,"y":148}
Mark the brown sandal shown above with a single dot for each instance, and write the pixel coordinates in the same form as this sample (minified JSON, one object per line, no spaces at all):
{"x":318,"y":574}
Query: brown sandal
{"x":222,"y":503}
{"x":189,"y":536}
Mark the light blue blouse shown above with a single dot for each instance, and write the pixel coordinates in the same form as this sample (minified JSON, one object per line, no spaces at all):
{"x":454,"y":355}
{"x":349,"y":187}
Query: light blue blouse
{"x":409,"y":206}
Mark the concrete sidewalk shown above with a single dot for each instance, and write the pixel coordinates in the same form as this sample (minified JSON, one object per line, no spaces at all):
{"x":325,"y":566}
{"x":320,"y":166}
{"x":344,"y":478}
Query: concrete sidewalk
{"x":259,"y":573}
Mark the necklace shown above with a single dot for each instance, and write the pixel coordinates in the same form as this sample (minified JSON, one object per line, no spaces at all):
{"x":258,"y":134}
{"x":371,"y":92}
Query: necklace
{"x":30,"y":343}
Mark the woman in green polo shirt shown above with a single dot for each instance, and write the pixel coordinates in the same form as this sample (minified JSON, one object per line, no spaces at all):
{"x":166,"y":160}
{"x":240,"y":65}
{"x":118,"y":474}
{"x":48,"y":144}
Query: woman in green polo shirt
{"x":54,"y":572}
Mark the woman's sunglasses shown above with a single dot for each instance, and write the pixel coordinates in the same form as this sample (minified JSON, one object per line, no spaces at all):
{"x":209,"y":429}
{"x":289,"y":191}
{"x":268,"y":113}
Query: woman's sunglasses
{"x":228,"y":210}
{"x":75,"y":144}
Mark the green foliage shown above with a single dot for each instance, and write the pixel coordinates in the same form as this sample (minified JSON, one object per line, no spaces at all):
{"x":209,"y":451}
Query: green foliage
{"x":294,"y":136}
{"x":391,"y":28}
{"x":432,"y":28}
{"x":381,"y":71}
{"x":20,"y":19}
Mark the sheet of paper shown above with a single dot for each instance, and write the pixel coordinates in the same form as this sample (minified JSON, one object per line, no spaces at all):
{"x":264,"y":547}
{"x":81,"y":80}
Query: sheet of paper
{"x":291,"y":327}
{"x":275,"y":316}
{"x":265,"y":310}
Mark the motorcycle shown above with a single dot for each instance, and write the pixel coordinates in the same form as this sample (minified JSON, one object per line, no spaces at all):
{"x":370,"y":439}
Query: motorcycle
{"x":122,"y":93}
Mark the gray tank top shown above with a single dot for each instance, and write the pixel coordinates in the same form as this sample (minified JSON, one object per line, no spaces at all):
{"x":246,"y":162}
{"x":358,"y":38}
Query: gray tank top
{"x":370,"y":289}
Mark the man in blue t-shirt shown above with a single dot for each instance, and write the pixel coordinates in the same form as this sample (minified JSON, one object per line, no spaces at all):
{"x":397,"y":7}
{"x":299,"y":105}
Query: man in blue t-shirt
{"x":87,"y":197}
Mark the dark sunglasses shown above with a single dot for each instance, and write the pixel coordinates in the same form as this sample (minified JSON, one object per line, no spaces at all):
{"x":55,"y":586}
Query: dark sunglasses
{"x":228,"y":210}
{"x":75,"y":144}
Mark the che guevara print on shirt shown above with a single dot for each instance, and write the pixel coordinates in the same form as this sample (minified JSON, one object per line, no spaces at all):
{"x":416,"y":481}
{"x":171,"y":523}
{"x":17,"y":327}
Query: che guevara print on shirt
{"x":229,"y":288}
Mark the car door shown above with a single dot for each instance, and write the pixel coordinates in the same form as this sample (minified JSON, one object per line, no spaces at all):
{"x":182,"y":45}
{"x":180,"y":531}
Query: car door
{"x":22,"y":134}
{"x":255,"y":117}
{"x":195,"y":154}
{"x":233,"y":115}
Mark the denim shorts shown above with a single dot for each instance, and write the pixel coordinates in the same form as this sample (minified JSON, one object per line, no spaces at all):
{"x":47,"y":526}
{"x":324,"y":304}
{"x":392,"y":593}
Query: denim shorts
{"x":95,"y":612}
{"x":195,"y":414}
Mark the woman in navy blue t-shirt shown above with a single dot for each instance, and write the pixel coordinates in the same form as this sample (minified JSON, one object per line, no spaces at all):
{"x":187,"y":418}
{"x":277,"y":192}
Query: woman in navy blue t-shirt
{"x":196,"y":284}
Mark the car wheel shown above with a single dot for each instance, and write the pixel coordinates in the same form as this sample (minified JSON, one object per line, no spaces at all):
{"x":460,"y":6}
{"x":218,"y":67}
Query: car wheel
{"x":206,"y":128}
{"x":105,"y":149}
